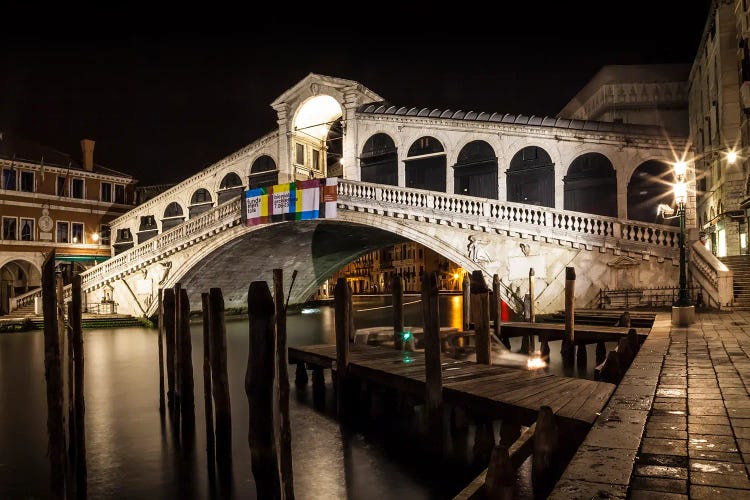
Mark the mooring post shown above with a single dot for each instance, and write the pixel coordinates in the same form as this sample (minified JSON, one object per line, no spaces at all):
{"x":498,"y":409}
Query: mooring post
{"x":433,"y":371}
{"x":480,"y":312}
{"x":601,"y":352}
{"x":501,"y":476}
{"x":635,"y":344}
{"x":466,"y":302}
{"x":532,"y":308}
{"x":187,"y":389}
{"x":219,"y":376}
{"x":496,"y":308}
{"x":544,"y":349}
{"x":397,"y":291}
{"x":177,"y":351}
{"x":168,"y":319}
{"x":581,"y":356}
{"x":259,"y":384}
{"x":208,"y":407}
{"x":285,"y":427}
{"x":624,"y":355}
{"x":568,"y":342}
{"x":76,"y":327}
{"x":300,"y":376}
{"x":546,"y":439}
{"x":160,"y":322}
{"x":342,"y":301}
{"x":53,"y":377}
{"x":66,"y":337}
{"x":484,"y":441}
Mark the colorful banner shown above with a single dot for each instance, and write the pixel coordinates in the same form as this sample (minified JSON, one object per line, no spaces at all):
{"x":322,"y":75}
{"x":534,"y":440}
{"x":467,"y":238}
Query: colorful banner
{"x":301,"y":200}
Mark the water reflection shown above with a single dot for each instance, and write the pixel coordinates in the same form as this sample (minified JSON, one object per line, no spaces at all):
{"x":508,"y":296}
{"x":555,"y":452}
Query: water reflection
{"x":134,"y":451}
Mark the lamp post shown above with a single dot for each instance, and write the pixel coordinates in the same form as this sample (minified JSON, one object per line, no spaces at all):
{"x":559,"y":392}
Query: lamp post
{"x":683,"y":313}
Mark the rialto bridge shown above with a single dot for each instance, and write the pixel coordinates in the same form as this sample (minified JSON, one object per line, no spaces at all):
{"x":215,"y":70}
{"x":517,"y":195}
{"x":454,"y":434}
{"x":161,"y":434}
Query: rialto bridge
{"x":496,"y":192}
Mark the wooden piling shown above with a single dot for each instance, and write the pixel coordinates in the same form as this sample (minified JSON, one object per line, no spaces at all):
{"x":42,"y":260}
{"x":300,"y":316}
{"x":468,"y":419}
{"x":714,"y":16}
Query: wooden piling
{"x":342,"y":302}
{"x":76,"y":328}
{"x":582,"y":356}
{"x":177,"y":351}
{"x":208,"y":407}
{"x":397,"y":292}
{"x":635,"y":345}
{"x":259,"y":383}
{"x":219,"y":376}
{"x":544,"y":349}
{"x":168,"y":319}
{"x":546,"y":440}
{"x":319,"y":387}
{"x":624,"y":355}
{"x":66,"y":337}
{"x":568,"y":342}
{"x":532,"y":308}
{"x":601,"y":352}
{"x":433,"y":372}
{"x":300,"y":376}
{"x":285,"y":427}
{"x":609,"y":370}
{"x":187,"y":390}
{"x":484,"y":442}
{"x":466,"y":302}
{"x":53,"y":377}
{"x":480,"y":313}
{"x":160,"y":321}
{"x":501,"y":476}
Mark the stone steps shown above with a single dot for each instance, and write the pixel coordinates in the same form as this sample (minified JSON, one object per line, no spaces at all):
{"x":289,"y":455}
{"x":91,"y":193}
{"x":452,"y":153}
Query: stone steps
{"x":740,"y":266}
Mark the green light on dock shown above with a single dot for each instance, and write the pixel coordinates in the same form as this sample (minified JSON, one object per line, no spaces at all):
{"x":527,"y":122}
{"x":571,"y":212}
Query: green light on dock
{"x":407,"y":360}
{"x":406,"y":336}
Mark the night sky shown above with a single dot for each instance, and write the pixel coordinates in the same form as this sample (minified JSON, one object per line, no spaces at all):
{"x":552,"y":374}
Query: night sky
{"x":165,"y":94}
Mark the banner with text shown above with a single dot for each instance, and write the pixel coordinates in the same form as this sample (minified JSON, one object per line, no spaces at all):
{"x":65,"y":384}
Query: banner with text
{"x":301,"y":200}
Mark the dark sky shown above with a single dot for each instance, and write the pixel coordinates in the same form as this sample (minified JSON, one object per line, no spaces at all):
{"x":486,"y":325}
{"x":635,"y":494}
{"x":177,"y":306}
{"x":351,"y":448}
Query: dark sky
{"x":165,"y":94}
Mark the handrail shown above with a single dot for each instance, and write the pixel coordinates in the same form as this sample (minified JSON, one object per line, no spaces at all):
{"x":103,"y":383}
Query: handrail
{"x":226,"y":214}
{"x":712,"y":274}
{"x":559,"y":222}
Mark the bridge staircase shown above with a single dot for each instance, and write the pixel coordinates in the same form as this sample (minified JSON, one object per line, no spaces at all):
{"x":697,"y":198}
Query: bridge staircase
{"x":740,"y":266}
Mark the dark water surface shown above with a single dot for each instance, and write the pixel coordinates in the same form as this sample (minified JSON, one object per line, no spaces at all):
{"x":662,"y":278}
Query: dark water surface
{"x":131,"y":450}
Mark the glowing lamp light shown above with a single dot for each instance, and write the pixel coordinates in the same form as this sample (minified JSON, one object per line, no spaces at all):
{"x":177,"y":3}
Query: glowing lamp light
{"x":535,"y":362}
{"x":95,"y":237}
{"x":732,"y":157}
{"x":455,"y":276}
{"x":680,"y":168}
{"x":680,"y":192}
{"x":75,"y":239}
{"x":406,"y":336}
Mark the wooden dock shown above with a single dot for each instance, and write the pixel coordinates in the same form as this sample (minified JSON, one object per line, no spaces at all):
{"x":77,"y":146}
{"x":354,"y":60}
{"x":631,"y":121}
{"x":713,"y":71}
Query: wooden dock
{"x":491,"y":392}
{"x":584,"y":334}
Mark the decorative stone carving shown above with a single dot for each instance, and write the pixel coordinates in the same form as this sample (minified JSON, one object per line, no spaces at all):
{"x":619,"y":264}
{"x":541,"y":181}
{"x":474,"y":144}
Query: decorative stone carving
{"x":525,"y":249}
{"x":623,"y":272}
{"x":476,"y":249}
{"x":166,"y":266}
{"x":314,"y":88}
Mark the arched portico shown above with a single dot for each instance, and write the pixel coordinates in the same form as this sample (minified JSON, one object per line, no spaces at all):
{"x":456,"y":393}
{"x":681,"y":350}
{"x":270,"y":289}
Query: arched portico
{"x":591,"y":185}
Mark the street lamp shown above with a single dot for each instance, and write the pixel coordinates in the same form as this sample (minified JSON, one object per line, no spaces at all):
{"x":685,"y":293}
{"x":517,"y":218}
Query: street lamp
{"x":680,"y":198}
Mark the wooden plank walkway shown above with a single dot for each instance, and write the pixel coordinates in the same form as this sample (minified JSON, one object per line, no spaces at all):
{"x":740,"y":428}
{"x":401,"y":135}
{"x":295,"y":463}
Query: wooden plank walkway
{"x":584,"y":333}
{"x":492,"y":392}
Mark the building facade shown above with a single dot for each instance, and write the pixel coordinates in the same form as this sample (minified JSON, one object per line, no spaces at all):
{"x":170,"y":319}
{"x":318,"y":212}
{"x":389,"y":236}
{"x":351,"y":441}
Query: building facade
{"x":718,"y":126}
{"x":49,"y":200}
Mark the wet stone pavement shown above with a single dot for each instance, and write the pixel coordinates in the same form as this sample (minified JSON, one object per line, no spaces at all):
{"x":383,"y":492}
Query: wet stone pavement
{"x":678,"y":425}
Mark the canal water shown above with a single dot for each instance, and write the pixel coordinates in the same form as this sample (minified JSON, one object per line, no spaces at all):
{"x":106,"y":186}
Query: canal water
{"x":130,"y":447}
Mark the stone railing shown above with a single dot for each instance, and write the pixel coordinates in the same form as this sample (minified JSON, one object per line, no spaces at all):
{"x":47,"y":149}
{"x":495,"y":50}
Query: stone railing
{"x":493,"y":214}
{"x":207,"y":223}
{"x":25,"y":299}
{"x":714,"y":277}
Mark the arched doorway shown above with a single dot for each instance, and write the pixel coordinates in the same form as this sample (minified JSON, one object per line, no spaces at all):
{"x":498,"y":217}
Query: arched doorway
{"x":173,"y":216}
{"x":379,"y":160}
{"x":591,"y":185}
{"x":263,"y":173}
{"x":475,"y":171}
{"x":426,"y":164}
{"x":17,"y":277}
{"x":335,"y":149}
{"x":230,"y":187}
{"x":317,"y":136}
{"x":651,"y":184}
{"x":531,"y":177}
{"x":200,"y":202}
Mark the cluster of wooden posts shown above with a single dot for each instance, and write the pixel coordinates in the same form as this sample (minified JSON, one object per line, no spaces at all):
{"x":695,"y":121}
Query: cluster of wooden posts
{"x":613,"y":367}
{"x":354,"y":397}
{"x":267,"y":357}
{"x":63,"y":367}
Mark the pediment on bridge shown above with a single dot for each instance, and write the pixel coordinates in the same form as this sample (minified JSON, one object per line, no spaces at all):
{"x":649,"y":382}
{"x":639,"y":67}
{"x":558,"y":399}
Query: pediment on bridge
{"x":623,"y":262}
{"x":315,"y":84}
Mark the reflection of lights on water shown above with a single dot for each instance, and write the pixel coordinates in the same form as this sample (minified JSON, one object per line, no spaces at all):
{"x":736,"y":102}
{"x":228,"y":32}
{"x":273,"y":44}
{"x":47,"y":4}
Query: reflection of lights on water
{"x":310,"y":310}
{"x":407,"y":359}
{"x":535,"y":362}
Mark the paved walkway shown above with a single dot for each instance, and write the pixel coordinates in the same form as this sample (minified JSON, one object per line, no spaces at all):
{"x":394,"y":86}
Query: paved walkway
{"x":678,"y":425}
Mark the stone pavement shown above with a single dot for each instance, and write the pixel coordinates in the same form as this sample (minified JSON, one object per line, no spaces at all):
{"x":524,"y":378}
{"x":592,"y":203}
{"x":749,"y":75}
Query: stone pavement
{"x":678,"y":425}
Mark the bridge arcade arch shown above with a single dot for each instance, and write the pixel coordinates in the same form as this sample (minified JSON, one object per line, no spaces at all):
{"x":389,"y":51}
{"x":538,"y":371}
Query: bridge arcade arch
{"x":591,"y":185}
{"x":378,"y":160}
{"x":530,"y":177}
{"x":475,"y":171}
{"x":651,"y":184}
{"x":426,"y":165}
